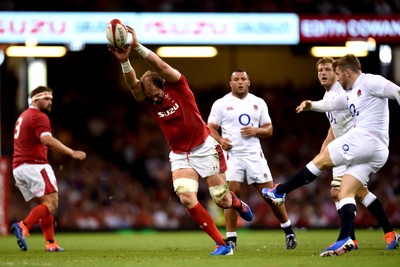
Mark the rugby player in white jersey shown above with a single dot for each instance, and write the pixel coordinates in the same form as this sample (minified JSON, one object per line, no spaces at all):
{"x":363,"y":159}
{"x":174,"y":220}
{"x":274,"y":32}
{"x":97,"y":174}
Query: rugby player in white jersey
{"x":340,"y":122}
{"x":363,"y":149}
{"x":243,"y":119}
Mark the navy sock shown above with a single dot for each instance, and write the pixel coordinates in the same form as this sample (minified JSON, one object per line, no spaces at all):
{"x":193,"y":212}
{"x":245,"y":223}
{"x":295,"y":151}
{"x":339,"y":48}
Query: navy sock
{"x":347,"y":215}
{"x":378,"y":212}
{"x":303,"y":177}
{"x":288,"y":230}
{"x":352,"y":231}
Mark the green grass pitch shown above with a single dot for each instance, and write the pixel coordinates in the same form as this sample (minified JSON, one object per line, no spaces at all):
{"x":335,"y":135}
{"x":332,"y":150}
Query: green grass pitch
{"x":256,"y":248}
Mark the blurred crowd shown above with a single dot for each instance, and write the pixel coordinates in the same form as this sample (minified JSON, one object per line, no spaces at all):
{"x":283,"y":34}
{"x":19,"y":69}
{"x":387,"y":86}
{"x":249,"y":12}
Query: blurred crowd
{"x":342,"y":7}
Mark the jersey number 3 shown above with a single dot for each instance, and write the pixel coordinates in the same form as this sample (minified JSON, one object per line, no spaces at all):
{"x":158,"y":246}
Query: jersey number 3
{"x":18,"y":127}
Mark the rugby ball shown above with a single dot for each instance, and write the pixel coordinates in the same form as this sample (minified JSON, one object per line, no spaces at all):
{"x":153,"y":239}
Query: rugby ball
{"x":116,"y":33}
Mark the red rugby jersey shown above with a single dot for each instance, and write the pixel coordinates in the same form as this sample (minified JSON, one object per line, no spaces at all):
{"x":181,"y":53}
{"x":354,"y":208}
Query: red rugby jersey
{"x":179,"y":117}
{"x":27,"y":146}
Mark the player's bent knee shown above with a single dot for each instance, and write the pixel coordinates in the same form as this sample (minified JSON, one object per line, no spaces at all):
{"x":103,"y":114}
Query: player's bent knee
{"x":183,"y":185}
{"x":218,"y":192}
{"x":336,"y":182}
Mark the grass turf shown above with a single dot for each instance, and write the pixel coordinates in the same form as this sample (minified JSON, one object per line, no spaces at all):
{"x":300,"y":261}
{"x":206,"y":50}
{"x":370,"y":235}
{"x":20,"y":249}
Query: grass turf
{"x":264,"y":248}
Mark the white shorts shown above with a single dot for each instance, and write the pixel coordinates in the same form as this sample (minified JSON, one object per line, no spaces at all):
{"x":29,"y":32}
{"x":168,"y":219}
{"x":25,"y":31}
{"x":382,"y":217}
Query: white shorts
{"x":253,"y":168}
{"x":338,"y":171}
{"x":35,"y":180}
{"x":361,"y":152}
{"x":207,"y":159}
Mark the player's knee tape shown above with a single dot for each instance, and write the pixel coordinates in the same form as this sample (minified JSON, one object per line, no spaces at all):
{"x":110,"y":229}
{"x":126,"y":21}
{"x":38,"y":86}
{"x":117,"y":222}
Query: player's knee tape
{"x":182,"y":185}
{"x":218,"y":192}
{"x":336,"y":182}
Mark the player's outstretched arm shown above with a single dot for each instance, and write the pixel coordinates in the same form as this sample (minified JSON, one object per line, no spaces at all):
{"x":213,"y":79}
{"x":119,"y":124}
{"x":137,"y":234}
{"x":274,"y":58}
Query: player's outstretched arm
{"x":56,"y":145}
{"x":122,"y":54}
{"x":324,"y":105}
{"x":392,"y":91}
{"x":156,"y":63}
{"x":305,"y":105}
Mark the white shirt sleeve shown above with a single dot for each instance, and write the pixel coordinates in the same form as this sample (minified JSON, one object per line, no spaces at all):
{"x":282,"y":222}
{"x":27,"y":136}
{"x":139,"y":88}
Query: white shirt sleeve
{"x":215,"y":113}
{"x":324,"y":105}
{"x":265,"y":117}
{"x":392,"y":91}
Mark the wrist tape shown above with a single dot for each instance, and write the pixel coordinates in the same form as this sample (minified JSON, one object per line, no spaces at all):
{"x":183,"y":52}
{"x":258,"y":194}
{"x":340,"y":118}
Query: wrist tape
{"x":126,"y":66}
{"x":142,"y":50}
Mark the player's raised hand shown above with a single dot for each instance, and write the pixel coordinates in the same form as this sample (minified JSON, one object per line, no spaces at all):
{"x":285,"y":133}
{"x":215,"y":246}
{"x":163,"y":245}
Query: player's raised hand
{"x":122,"y":54}
{"x":134,"y":41}
{"x":305,"y":105}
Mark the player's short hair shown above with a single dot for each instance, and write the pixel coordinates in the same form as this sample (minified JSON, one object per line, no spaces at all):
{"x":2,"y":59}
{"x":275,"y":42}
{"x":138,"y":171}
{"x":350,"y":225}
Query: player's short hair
{"x":240,"y":70}
{"x":40,"y":89}
{"x":324,"y":60}
{"x":335,"y":64}
{"x":154,"y":77}
{"x":349,"y":61}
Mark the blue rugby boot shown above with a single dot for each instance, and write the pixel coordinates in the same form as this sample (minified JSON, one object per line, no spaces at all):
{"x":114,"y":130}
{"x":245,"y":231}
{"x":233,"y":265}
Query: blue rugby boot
{"x":337,"y":249}
{"x":21,"y":232}
{"x":271,"y":193}
{"x":222,"y":250}
{"x":244,"y":210}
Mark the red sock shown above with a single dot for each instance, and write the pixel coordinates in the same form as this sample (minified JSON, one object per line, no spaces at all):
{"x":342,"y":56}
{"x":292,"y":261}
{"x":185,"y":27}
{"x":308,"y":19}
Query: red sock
{"x":39,"y":212}
{"x":47,"y":225}
{"x":236,"y":203}
{"x":201,"y":216}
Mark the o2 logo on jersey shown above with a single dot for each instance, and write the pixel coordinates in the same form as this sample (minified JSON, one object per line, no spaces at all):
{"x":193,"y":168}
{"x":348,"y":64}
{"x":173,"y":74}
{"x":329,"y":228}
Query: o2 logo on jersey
{"x":330,"y":117}
{"x":244,"y":119}
{"x":345,"y":148}
{"x":353,"y":110}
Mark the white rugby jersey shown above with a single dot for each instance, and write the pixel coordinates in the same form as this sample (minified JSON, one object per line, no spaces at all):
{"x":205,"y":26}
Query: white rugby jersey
{"x":232,"y":114}
{"x":340,"y":120}
{"x":370,"y":110}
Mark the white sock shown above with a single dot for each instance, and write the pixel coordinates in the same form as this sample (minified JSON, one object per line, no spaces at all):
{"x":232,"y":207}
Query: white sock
{"x":368,"y":199}
{"x":286,"y":224}
{"x":312,"y":168}
{"x":231,"y":234}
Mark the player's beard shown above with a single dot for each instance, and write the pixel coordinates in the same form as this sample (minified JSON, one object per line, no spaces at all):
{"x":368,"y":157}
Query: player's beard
{"x":46,"y":110}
